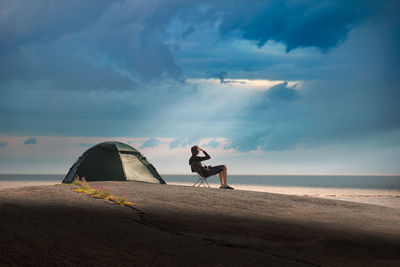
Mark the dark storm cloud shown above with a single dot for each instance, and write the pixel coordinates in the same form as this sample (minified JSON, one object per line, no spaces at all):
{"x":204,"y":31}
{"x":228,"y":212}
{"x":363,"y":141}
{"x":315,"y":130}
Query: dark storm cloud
{"x":114,"y":45}
{"x":24,"y":22}
{"x":281,"y":92}
{"x":321,"y":24}
{"x":54,"y":68}
{"x":221,"y":76}
{"x":84,"y":45}
{"x":30,"y":141}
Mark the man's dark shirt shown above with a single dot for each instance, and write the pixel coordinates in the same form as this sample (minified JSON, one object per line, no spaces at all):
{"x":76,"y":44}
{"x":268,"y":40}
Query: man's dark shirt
{"x":199,"y":159}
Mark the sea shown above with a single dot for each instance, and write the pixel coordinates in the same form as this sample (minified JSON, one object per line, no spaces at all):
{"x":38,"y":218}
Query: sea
{"x":382,"y":190}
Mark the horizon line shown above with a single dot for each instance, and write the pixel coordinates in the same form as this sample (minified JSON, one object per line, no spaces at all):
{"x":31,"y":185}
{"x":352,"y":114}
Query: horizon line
{"x":245,"y":174}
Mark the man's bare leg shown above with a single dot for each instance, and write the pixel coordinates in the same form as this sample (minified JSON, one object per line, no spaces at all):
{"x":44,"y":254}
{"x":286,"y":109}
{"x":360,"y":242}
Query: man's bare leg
{"x":221,"y":179}
{"x":225,"y":175}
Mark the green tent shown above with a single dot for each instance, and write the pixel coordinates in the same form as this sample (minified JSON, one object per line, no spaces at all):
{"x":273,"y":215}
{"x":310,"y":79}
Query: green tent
{"x":113,"y":161}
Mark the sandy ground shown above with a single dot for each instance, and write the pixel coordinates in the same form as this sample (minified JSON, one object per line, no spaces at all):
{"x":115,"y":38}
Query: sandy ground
{"x":14,"y":184}
{"x":184,"y":226}
{"x":381,"y":197}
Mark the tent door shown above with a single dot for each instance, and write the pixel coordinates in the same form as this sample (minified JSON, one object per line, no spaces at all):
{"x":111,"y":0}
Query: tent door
{"x":135,"y":169}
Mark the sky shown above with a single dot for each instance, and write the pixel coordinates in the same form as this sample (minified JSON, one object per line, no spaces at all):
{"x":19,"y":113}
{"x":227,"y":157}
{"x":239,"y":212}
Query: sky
{"x":266,"y":87}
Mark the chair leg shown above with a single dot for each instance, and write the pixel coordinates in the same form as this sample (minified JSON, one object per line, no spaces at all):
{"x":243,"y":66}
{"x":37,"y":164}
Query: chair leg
{"x":204,"y":183}
{"x":196,"y":183}
{"x":201,"y":181}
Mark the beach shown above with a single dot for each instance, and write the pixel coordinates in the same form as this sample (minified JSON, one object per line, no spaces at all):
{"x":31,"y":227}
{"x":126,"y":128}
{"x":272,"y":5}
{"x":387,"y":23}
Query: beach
{"x":376,"y":190}
{"x":171,"y":225}
{"x":382,"y":197}
{"x":15,"y":184}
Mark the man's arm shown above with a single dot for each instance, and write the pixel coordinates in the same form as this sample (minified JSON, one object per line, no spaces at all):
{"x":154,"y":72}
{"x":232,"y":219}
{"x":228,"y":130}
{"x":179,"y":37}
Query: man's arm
{"x":206,"y":155}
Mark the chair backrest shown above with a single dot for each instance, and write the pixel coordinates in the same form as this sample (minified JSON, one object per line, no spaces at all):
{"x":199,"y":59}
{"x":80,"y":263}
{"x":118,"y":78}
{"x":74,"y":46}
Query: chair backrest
{"x":197,"y":167}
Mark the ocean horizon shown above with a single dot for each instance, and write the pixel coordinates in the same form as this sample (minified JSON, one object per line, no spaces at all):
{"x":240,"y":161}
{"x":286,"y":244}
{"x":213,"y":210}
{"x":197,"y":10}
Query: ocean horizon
{"x":324,"y":181}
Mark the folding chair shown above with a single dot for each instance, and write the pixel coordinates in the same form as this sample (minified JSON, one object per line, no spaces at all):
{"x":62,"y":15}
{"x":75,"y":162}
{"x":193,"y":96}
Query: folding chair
{"x":200,"y":180}
{"x":198,"y":176}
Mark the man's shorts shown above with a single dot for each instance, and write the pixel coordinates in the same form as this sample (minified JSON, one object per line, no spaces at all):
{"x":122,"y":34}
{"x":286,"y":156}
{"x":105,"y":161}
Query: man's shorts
{"x":213,"y":170}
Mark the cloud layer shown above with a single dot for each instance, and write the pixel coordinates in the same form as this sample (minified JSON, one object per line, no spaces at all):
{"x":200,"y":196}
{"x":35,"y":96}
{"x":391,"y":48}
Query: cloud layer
{"x":264,"y":76}
{"x":30,"y":141}
{"x":320,"y":24}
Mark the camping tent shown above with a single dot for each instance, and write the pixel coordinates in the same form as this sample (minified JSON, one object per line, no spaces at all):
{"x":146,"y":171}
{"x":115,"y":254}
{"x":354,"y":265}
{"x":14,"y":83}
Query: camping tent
{"x":113,"y":161}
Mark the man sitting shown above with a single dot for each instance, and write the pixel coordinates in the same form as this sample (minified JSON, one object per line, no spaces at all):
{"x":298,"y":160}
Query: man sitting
{"x":196,"y":166}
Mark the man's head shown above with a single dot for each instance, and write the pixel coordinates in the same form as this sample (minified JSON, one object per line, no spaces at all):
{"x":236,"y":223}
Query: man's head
{"x":195,"y":150}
